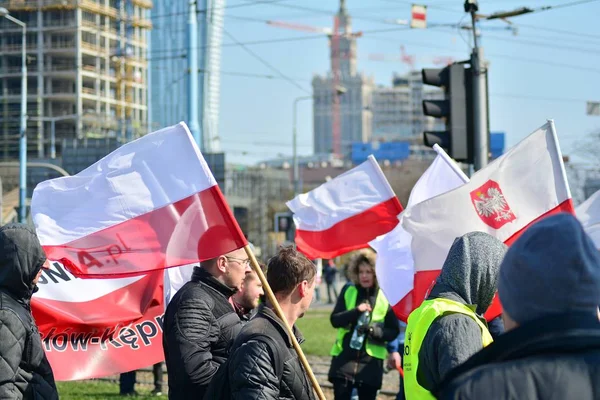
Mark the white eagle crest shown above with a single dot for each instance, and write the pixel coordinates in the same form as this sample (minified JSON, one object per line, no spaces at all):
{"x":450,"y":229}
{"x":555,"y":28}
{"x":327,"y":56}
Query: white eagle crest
{"x":493,"y":204}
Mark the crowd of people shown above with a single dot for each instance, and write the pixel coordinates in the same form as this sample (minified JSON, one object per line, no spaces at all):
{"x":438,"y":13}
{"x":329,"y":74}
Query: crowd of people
{"x":223,"y":340}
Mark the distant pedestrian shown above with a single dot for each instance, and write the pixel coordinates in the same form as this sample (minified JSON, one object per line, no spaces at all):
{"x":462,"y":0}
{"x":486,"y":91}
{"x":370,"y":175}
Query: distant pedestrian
{"x":330,"y":273}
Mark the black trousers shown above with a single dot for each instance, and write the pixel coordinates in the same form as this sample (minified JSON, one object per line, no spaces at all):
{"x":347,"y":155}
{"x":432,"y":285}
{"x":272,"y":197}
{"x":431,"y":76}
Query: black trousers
{"x":342,"y":390}
{"x":127,"y":379}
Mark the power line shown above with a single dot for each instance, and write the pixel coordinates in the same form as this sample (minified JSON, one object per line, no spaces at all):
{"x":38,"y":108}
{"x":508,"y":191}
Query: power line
{"x":280,"y":40}
{"x":508,"y":57}
{"x":265,"y":62}
{"x":528,"y":97}
{"x":204,"y":10}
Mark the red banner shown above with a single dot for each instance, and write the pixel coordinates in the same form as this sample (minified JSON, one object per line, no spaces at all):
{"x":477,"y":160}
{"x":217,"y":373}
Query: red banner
{"x":97,"y":327}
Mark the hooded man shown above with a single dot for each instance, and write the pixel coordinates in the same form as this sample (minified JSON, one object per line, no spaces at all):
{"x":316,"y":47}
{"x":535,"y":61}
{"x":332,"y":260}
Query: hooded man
{"x":447,"y":328}
{"x":24,"y":369}
{"x":549,"y":287}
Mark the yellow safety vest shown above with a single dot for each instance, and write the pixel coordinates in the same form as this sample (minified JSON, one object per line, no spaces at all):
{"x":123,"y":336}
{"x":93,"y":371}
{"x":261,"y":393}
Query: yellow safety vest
{"x":378,"y":315}
{"x":419,"y":322}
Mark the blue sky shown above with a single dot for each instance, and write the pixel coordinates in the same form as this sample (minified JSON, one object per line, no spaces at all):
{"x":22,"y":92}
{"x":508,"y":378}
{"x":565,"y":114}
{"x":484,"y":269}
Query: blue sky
{"x":547,"y":71}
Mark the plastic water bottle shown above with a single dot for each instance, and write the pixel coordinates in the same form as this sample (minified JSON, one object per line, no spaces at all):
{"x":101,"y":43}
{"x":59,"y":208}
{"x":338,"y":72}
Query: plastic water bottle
{"x":358,"y":339}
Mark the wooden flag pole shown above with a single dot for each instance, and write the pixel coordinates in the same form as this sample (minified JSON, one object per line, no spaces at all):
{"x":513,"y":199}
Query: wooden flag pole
{"x":279,"y":312}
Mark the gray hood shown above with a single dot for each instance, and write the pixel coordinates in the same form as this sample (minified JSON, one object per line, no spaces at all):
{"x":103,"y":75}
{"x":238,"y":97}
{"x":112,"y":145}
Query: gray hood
{"x":21,"y":258}
{"x":471,"y":270}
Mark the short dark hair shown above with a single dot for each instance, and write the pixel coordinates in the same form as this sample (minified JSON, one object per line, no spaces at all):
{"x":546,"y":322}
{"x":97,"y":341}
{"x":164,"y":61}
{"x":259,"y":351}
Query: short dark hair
{"x":287,"y":269}
{"x":253,"y":275}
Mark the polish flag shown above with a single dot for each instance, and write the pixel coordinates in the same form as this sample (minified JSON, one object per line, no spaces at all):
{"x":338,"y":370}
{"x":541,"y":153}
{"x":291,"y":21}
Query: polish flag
{"x":418,"y":16}
{"x":151,"y":204}
{"x":345,"y":213}
{"x":523,"y":186}
{"x":394,"y":265}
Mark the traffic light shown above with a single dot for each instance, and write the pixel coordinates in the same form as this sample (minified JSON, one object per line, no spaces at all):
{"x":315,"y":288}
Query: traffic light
{"x":455,"y":109}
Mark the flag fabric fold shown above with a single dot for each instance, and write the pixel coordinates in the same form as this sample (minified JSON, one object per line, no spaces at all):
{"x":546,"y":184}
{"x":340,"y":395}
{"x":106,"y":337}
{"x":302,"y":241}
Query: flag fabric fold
{"x":524,"y":185}
{"x":345,"y":213}
{"x":395,"y":266}
{"x":92,"y":328}
{"x":588,"y":214}
{"x":151,"y":204}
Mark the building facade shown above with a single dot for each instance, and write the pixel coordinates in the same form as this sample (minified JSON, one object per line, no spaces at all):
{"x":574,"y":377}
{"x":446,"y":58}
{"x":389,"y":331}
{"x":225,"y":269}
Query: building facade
{"x":87,"y":72}
{"x":398,"y":110}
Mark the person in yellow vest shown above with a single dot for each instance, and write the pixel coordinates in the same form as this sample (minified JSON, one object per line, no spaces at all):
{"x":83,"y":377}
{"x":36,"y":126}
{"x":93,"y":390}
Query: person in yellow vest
{"x":448,"y":327}
{"x":365,"y":323}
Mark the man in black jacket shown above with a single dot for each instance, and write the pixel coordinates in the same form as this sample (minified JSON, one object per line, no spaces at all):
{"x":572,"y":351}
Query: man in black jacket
{"x":549,"y":287}
{"x":263,"y":364}
{"x":200,"y":324}
{"x":24,"y":369}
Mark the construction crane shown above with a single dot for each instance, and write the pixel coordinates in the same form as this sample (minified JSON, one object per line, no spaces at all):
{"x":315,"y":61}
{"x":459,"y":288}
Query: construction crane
{"x":339,"y":31}
{"x":410,"y":60}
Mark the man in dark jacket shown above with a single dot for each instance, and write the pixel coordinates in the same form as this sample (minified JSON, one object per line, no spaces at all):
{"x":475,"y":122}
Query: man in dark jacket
{"x":24,"y":369}
{"x":200,"y":324}
{"x":263,"y":364}
{"x":447,"y":329}
{"x":549,"y":287}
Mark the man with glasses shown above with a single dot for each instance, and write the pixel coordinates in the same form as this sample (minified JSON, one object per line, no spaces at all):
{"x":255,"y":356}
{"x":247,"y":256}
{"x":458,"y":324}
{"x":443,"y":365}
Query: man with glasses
{"x":200,"y":324}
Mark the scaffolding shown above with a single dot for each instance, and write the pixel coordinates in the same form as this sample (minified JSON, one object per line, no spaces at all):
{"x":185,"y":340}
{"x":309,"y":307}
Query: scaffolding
{"x":86,"y":58}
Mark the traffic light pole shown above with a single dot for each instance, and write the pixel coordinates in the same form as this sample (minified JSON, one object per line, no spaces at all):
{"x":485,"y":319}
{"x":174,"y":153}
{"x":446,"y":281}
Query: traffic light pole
{"x":479,"y":71}
{"x":480,"y":124}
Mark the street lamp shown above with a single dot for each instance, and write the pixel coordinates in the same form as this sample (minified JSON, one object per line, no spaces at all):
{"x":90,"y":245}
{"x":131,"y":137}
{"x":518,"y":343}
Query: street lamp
{"x":23,"y":137}
{"x":339,"y":91}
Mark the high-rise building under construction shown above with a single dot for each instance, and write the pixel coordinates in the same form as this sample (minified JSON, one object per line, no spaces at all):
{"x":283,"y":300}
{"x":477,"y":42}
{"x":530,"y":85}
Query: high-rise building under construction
{"x":87,"y":72}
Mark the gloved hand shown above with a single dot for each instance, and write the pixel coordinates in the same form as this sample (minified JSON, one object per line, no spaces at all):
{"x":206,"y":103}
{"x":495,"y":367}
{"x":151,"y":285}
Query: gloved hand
{"x":376,"y":331}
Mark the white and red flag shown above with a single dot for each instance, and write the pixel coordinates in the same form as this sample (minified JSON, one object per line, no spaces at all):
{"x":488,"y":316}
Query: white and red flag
{"x":418,"y":16}
{"x":395,"y":266}
{"x":345,"y":213}
{"x":92,"y":328}
{"x":151,"y":204}
{"x":524,"y":185}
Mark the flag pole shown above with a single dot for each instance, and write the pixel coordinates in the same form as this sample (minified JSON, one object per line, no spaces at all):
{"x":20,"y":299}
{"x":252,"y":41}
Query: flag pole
{"x":560,"y":156}
{"x":288,"y":328}
{"x":451,"y":163}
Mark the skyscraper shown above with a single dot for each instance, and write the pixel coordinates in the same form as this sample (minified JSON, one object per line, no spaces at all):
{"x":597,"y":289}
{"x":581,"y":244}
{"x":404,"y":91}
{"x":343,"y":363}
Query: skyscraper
{"x":170,"y":71}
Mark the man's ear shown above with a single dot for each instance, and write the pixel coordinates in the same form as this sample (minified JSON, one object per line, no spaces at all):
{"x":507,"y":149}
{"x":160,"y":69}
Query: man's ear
{"x":302,"y":288}
{"x":221,"y":264}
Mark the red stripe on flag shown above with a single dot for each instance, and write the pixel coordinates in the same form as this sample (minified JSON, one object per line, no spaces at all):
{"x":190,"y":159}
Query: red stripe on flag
{"x":197,"y":228}
{"x":424,"y":280}
{"x":564,"y":207}
{"x":352,"y":233}
{"x":118,"y":332}
{"x":418,"y":16}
